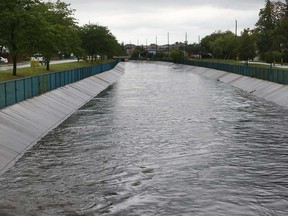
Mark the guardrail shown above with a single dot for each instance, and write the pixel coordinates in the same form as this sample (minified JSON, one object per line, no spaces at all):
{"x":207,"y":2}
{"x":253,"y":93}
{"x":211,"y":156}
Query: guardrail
{"x":269,"y":74}
{"x":18,"y":90}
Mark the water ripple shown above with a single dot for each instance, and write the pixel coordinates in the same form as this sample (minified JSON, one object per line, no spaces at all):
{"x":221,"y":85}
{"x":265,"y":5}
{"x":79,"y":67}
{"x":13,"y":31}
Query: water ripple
{"x":162,"y":141}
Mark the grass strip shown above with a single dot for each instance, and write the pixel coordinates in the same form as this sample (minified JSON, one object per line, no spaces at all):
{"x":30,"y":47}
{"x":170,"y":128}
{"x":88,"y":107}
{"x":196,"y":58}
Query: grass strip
{"x":6,"y":75}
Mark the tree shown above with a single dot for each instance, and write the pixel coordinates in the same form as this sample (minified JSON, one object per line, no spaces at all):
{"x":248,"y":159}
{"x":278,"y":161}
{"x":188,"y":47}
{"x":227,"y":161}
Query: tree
{"x":194,"y":48}
{"x":281,"y":32}
{"x":230,"y":45}
{"x":15,"y":24}
{"x":217,"y":50}
{"x":268,"y":41}
{"x":247,"y":48}
{"x":98,"y":40}
{"x":221,"y":44}
{"x":139,"y":51}
{"x":206,"y":42}
{"x":31,"y":26}
{"x":56,"y":30}
{"x":265,"y":29}
{"x":177,"y":55}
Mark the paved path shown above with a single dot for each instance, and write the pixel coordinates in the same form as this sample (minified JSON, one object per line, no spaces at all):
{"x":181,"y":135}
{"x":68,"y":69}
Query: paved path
{"x":9,"y":66}
{"x":264,"y":63}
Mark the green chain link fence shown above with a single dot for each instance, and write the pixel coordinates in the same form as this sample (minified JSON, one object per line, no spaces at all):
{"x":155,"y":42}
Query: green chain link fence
{"x":269,"y":74}
{"x":18,"y":90}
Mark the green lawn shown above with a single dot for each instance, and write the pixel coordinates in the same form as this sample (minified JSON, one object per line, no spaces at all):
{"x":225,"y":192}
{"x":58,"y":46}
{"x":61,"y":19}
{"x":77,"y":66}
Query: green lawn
{"x":32,"y":71}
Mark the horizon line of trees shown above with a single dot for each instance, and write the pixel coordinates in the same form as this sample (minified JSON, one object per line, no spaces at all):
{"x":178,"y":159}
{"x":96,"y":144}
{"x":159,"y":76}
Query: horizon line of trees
{"x":33,"y":26}
{"x":268,"y":40}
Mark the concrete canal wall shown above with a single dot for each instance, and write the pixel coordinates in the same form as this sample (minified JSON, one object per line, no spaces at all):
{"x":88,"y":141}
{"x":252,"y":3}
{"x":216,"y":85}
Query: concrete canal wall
{"x":267,"y":90}
{"x":24,"y":123}
{"x":270,"y":91}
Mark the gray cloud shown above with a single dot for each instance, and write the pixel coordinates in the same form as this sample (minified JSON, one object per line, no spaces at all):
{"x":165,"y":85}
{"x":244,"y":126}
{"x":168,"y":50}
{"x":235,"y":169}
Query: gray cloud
{"x":233,"y":4}
{"x":132,"y":21}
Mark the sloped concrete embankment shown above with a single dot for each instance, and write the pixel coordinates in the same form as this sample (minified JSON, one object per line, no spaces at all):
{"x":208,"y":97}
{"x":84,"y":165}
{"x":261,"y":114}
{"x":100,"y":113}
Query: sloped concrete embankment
{"x":23,"y":124}
{"x":269,"y":91}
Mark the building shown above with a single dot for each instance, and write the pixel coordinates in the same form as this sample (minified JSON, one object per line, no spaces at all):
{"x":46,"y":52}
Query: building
{"x":129,"y":48}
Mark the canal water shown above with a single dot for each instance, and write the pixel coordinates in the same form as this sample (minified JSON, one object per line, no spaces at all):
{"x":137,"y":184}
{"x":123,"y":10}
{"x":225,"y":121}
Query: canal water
{"x":161,"y":141}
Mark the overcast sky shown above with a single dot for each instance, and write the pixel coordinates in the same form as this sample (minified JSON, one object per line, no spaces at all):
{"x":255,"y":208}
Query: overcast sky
{"x":138,"y":21}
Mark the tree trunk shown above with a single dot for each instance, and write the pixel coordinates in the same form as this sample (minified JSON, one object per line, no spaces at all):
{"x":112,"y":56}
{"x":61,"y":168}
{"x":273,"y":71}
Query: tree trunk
{"x":47,"y":65}
{"x":14,"y":65}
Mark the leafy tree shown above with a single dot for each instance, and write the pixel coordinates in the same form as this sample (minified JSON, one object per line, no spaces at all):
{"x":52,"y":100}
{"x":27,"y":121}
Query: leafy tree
{"x":230,"y":45}
{"x":265,"y":28}
{"x":221,"y":44}
{"x":159,"y":55}
{"x":247,"y":47}
{"x":177,"y":55}
{"x":281,"y":32}
{"x":15,"y":23}
{"x":30,"y":26}
{"x":268,"y":40}
{"x":277,"y":56}
{"x":56,"y":30}
{"x":206,"y":42}
{"x":137,"y":52}
{"x":112,"y":46}
{"x":218,"y":51}
{"x":98,"y":40}
{"x":194,"y":48}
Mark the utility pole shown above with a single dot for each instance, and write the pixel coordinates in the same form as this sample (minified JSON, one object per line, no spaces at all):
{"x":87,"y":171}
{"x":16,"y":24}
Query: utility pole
{"x":186,"y":43}
{"x":168,"y":44}
{"x":200,"y":48}
{"x":156,"y":45}
{"x":236,"y":28}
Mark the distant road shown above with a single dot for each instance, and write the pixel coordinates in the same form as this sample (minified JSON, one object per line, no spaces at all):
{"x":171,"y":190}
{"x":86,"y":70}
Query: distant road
{"x":9,"y":66}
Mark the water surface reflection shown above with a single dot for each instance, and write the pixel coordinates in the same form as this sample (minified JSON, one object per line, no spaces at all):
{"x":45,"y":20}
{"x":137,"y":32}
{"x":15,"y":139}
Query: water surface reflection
{"x":161,"y":141}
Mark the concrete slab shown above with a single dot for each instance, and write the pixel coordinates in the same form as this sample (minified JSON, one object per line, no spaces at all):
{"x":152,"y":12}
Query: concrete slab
{"x":23,"y":124}
{"x":229,"y":78}
{"x":269,"y":91}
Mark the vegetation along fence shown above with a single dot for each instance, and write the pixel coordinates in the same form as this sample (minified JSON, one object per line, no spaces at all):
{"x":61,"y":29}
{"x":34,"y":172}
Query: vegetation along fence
{"x":18,"y":90}
{"x":269,"y":74}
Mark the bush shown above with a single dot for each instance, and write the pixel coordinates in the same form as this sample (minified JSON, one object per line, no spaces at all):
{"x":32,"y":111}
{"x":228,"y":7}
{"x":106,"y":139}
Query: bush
{"x":177,"y":55}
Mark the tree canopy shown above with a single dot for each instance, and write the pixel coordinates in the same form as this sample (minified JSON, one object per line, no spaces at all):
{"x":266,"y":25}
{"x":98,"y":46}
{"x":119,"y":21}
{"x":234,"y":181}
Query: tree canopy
{"x":34,"y":26}
{"x":15,"y":25}
{"x":246,"y":46}
{"x":37,"y":26}
{"x":97,"y":40}
{"x":221,"y":44}
{"x":269,"y":38}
